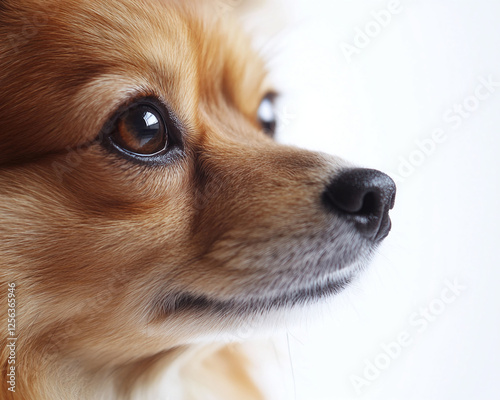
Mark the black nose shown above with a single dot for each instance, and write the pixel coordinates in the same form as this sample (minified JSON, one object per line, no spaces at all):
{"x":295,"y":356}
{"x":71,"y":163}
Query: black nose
{"x":365,"y":197}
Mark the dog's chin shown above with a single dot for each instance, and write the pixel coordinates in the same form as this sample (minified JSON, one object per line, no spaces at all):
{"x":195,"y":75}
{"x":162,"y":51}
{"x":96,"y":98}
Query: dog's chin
{"x":246,"y":305}
{"x":300,"y":297}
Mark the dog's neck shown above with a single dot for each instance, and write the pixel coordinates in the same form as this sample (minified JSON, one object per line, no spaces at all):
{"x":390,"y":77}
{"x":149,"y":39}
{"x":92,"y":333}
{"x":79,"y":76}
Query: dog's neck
{"x":194,"y":373}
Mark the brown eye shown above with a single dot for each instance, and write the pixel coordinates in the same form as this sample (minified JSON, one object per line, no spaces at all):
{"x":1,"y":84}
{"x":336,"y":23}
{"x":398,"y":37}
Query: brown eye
{"x":141,"y":130}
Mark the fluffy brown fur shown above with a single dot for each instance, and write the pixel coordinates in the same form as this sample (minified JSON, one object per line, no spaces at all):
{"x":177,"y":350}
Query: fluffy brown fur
{"x":125,"y":271}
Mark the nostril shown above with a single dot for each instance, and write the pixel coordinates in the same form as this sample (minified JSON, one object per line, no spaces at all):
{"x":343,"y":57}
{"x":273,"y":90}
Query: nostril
{"x":363,"y":196}
{"x":371,"y":204}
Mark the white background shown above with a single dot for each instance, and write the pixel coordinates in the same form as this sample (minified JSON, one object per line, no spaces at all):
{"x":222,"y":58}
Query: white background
{"x":371,"y":110}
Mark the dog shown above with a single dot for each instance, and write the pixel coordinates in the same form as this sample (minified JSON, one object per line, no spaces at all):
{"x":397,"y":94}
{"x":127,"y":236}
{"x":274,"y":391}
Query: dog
{"x":146,"y":209}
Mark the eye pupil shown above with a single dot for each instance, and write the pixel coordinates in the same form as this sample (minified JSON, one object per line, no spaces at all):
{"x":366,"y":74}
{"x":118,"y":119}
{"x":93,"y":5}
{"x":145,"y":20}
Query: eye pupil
{"x":145,"y":124}
{"x":267,"y":114}
{"x":141,"y":130}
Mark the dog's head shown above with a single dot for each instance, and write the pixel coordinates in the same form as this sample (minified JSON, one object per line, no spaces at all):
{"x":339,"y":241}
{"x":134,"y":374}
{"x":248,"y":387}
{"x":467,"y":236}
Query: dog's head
{"x":141,"y":188}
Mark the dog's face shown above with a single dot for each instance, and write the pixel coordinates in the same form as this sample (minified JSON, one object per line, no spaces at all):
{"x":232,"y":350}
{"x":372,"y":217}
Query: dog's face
{"x":140,"y":186}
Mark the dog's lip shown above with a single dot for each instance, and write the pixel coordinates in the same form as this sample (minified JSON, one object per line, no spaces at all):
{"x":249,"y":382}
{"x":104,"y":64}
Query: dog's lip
{"x":385,"y":222}
{"x":189,"y":302}
{"x":384,"y":228}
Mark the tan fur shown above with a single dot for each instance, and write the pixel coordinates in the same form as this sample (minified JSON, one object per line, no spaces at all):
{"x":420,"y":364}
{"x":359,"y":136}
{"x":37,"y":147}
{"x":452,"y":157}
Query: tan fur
{"x":94,"y":242}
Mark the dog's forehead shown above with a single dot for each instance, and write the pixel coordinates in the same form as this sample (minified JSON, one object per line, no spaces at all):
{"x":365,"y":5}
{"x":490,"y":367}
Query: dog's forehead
{"x":83,"y":57}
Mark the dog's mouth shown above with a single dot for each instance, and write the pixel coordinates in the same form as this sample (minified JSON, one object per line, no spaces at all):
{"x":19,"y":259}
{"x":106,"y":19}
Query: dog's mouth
{"x":186,"y":302}
{"x":305,"y":283}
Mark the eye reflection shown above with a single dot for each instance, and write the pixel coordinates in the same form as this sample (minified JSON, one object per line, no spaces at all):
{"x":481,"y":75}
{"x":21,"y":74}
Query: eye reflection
{"x":266,"y":114}
{"x":141,"y":130}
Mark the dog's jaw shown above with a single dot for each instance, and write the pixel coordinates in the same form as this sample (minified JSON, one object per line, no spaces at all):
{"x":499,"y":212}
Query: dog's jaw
{"x":276,"y":274}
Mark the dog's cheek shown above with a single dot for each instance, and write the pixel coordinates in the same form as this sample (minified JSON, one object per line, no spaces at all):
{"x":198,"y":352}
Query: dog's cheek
{"x":88,"y":245}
